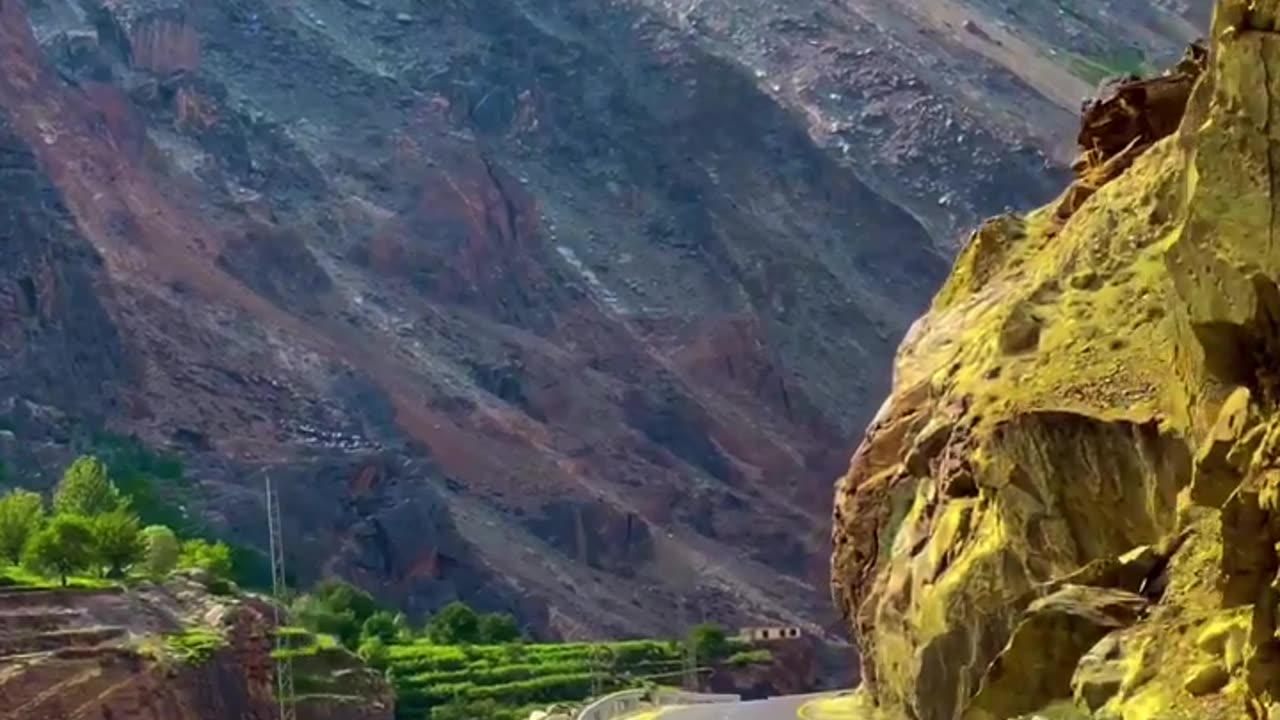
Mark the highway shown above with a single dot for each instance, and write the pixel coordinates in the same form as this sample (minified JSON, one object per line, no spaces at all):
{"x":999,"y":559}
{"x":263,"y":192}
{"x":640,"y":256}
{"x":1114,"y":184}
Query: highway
{"x":791,"y":707}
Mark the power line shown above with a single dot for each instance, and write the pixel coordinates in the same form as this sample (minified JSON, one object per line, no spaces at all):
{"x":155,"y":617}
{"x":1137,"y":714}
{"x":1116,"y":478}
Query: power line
{"x":279,"y":591}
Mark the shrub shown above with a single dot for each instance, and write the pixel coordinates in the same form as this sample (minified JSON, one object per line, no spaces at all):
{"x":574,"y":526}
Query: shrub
{"x":342,"y":595}
{"x":161,"y":554}
{"x":750,"y":657}
{"x":455,"y":624}
{"x":21,"y":515}
{"x":213,"y":558}
{"x":62,"y":547}
{"x":710,"y":641}
{"x":194,"y":646}
{"x":498,"y":628}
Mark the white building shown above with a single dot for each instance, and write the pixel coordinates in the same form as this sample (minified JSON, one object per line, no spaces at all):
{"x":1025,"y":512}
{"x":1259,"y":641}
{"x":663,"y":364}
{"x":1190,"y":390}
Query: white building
{"x":757,"y":634}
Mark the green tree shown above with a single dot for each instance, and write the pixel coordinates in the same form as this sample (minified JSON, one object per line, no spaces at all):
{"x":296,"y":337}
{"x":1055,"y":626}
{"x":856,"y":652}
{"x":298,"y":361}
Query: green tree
{"x":314,"y":614}
{"x":386,"y":626}
{"x":710,"y":641}
{"x":161,"y":554}
{"x":86,"y":489}
{"x":21,"y":515}
{"x":455,"y":624}
{"x":341,"y":595}
{"x":498,"y":629}
{"x":213,"y":558}
{"x":337,"y":608}
{"x":64,"y":546}
{"x":118,"y":543}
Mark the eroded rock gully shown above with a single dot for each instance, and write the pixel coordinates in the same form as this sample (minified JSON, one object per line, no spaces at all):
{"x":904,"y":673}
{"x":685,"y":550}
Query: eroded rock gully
{"x":1070,"y":504}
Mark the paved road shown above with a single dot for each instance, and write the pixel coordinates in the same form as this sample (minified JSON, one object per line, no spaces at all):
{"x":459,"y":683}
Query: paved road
{"x":791,"y":707}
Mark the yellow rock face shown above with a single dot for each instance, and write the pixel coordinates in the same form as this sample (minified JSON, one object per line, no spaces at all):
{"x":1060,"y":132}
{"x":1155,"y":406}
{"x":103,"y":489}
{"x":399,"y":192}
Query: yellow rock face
{"x":1093,"y":401}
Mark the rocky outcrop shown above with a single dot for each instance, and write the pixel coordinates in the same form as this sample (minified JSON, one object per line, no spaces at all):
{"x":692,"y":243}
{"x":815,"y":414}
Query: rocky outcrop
{"x":791,"y":669}
{"x":1069,"y":500}
{"x":163,"y":652}
{"x":103,"y":653}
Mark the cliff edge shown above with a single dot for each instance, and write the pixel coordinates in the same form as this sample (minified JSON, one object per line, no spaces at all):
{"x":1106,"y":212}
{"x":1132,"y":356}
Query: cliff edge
{"x":1070,"y":504}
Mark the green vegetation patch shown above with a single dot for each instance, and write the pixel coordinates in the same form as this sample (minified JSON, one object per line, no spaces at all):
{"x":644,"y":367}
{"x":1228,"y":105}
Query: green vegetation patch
{"x":19,"y":577}
{"x":446,"y":679}
{"x":1094,"y":70}
{"x":746,"y":658}
{"x":193,"y":646}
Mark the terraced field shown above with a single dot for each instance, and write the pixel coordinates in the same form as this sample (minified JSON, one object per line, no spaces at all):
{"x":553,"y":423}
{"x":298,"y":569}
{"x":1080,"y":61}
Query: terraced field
{"x":518,"y":676}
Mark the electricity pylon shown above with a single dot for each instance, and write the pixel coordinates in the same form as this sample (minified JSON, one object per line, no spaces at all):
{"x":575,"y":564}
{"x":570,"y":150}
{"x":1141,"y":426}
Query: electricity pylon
{"x":279,"y":592}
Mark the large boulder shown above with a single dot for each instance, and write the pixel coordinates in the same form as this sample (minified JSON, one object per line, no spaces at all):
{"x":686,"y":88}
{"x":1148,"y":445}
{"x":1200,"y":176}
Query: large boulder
{"x":1081,"y":453}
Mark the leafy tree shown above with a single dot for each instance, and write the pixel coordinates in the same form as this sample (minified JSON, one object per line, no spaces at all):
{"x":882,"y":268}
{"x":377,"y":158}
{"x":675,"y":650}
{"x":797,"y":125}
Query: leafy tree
{"x":21,"y":514}
{"x":118,"y":543}
{"x":161,"y":554}
{"x":710,"y":641}
{"x":64,"y":546}
{"x":498,"y":629}
{"x":312,"y":612}
{"x":385,"y":626}
{"x":455,"y":624}
{"x":86,"y":489}
{"x":213,"y":558}
{"x":337,"y":608}
{"x":341,"y":595}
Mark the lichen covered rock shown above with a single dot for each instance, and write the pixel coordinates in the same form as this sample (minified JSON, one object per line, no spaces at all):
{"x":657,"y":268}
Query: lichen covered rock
{"x":1073,"y":494}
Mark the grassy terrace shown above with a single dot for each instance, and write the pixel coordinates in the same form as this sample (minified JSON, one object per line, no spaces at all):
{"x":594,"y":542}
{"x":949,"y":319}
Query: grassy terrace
{"x":17,"y":577}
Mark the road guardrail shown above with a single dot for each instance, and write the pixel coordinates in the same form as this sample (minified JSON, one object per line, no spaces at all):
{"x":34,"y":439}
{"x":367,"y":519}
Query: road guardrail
{"x":625,"y":702}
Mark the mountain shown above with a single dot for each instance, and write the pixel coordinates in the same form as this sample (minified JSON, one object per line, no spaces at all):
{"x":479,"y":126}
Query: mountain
{"x":1068,"y":506}
{"x":571,"y":308}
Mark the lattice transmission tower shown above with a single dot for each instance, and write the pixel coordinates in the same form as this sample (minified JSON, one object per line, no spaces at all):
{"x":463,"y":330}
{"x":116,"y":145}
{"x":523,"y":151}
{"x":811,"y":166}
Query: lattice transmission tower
{"x":279,"y":591}
{"x":689,"y":660}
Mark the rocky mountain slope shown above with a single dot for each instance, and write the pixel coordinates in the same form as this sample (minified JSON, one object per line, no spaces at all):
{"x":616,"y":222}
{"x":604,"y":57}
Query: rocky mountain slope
{"x":571,"y":308}
{"x":1069,"y":504}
